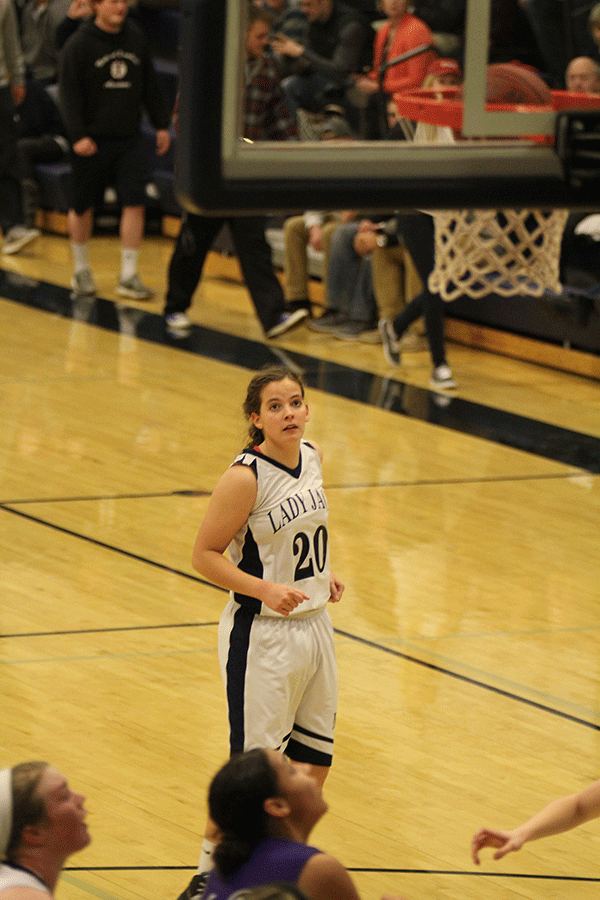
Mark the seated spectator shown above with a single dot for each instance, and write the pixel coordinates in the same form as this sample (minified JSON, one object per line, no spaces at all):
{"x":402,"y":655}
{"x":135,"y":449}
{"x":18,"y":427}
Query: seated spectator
{"x":313,"y":229}
{"x":401,"y":33}
{"x":39,"y":21}
{"x":350,"y":309}
{"x":594,"y":24}
{"x":371,"y":276}
{"x":288,"y":18}
{"x":12,"y":92}
{"x":561,"y":31}
{"x":583,"y":74}
{"x":338,"y":43}
{"x":41,"y":139}
{"x":441,"y":73}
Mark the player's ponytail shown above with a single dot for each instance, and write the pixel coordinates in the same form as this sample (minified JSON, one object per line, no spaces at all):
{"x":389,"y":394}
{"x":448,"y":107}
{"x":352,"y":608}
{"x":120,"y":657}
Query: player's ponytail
{"x":236,"y":800}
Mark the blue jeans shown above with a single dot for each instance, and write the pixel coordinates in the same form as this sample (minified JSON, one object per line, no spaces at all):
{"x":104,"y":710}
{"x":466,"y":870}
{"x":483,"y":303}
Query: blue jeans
{"x":350,"y":284}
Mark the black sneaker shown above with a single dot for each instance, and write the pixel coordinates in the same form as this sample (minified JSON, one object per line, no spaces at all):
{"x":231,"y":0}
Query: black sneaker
{"x":330,"y":319}
{"x":195,"y":888}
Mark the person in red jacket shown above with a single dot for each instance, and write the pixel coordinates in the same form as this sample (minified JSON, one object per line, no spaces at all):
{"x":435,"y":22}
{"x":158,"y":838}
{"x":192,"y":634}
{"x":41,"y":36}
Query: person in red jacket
{"x":401,"y":33}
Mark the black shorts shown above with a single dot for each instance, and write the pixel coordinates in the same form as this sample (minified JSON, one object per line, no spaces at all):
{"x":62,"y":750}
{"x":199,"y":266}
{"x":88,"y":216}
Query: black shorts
{"x":122,"y":164}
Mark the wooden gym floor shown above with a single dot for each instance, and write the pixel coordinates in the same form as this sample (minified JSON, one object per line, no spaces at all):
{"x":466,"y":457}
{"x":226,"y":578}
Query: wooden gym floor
{"x":465,"y":529}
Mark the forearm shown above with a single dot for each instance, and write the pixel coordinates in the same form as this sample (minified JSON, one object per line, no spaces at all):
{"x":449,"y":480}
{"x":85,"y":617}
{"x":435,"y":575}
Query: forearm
{"x":558,"y":816}
{"x":218,"y":569}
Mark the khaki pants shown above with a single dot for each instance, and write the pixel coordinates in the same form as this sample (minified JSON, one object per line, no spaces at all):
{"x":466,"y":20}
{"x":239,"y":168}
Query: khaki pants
{"x":295,"y":268}
{"x":395,"y":281}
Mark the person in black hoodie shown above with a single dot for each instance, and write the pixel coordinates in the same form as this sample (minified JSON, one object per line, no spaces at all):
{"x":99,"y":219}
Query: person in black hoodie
{"x":107,"y":78}
{"x":41,"y":139}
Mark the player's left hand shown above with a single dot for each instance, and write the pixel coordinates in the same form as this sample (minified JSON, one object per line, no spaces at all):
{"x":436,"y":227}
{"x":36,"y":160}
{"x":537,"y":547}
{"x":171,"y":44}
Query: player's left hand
{"x":336,"y":589}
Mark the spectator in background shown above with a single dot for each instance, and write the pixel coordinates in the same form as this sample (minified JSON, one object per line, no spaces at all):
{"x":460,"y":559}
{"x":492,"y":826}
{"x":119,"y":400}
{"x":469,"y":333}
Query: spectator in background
{"x":446,"y":21}
{"x":12,"y":92}
{"x":401,"y":33}
{"x":266,"y":117}
{"x":288,"y":18}
{"x":594,"y":25}
{"x":312,"y":230}
{"x":338,"y":43}
{"x":39,"y":21}
{"x":107,"y":78}
{"x":583,"y":74}
{"x":78,"y":11}
{"x":41,"y":139}
{"x":561,"y":32}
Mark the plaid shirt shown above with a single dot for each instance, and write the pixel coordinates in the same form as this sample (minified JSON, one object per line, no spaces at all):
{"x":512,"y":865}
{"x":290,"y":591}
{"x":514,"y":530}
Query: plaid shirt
{"x":266,"y":116}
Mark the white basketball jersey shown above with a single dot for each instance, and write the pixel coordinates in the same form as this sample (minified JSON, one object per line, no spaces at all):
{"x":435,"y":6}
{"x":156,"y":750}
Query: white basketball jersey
{"x":13,"y":876}
{"x":285,"y":539}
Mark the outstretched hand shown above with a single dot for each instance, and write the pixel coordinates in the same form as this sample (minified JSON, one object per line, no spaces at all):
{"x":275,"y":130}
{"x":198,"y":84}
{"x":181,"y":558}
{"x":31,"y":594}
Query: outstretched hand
{"x":504,"y":842}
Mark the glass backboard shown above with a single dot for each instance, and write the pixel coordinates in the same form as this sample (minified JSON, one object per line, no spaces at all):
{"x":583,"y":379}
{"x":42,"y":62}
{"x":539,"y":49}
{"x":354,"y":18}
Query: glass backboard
{"x":219,"y":172}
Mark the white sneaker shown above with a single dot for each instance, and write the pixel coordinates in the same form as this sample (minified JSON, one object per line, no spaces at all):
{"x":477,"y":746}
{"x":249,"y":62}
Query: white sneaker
{"x":134,"y":288}
{"x":389,"y":341}
{"x":286,"y":321}
{"x":83,"y":284}
{"x":178,"y":324}
{"x":18,"y":237}
{"x":441,"y":378}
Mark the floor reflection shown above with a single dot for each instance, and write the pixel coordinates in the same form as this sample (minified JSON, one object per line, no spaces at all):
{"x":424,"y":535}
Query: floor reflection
{"x":521,"y":433}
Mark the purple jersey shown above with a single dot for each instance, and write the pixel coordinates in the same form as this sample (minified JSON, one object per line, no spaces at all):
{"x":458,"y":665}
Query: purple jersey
{"x":272,"y":860}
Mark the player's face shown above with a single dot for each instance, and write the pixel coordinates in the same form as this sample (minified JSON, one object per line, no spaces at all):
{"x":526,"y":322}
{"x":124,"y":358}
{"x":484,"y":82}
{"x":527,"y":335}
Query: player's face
{"x":65,"y":829}
{"x":110,"y":14}
{"x":257,"y":39}
{"x":299,"y":788}
{"x":283,"y":412}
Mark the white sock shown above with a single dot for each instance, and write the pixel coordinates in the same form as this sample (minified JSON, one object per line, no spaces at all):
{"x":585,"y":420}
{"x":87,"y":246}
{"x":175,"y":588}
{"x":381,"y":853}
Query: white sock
{"x":206,"y":863}
{"x":129,"y":263}
{"x":80,"y":256}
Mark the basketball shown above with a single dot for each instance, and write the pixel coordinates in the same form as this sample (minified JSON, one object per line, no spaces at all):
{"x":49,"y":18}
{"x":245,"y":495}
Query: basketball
{"x":512,"y":83}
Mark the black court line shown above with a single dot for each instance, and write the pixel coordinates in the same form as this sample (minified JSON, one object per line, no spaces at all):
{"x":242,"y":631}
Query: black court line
{"x":518,"y":432}
{"x":469,"y":680}
{"x":383,"y":871}
{"x":150,"y":495}
{"x":106,"y":546}
{"x":362,"y":485}
{"x":398,"y":653}
{"x":113,"y":629}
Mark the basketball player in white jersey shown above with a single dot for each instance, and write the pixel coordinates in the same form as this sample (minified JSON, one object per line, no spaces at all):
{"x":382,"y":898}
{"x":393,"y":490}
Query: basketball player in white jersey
{"x":276,"y":646}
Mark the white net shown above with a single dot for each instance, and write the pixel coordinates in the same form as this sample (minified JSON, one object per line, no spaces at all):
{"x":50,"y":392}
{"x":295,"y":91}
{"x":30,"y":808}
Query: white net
{"x":497,"y":251}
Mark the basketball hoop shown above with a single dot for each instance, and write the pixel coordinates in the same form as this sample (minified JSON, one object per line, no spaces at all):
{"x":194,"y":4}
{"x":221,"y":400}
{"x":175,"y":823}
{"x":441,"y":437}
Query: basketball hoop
{"x":497,"y":251}
{"x":445,"y":107}
{"x":509,"y":252}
